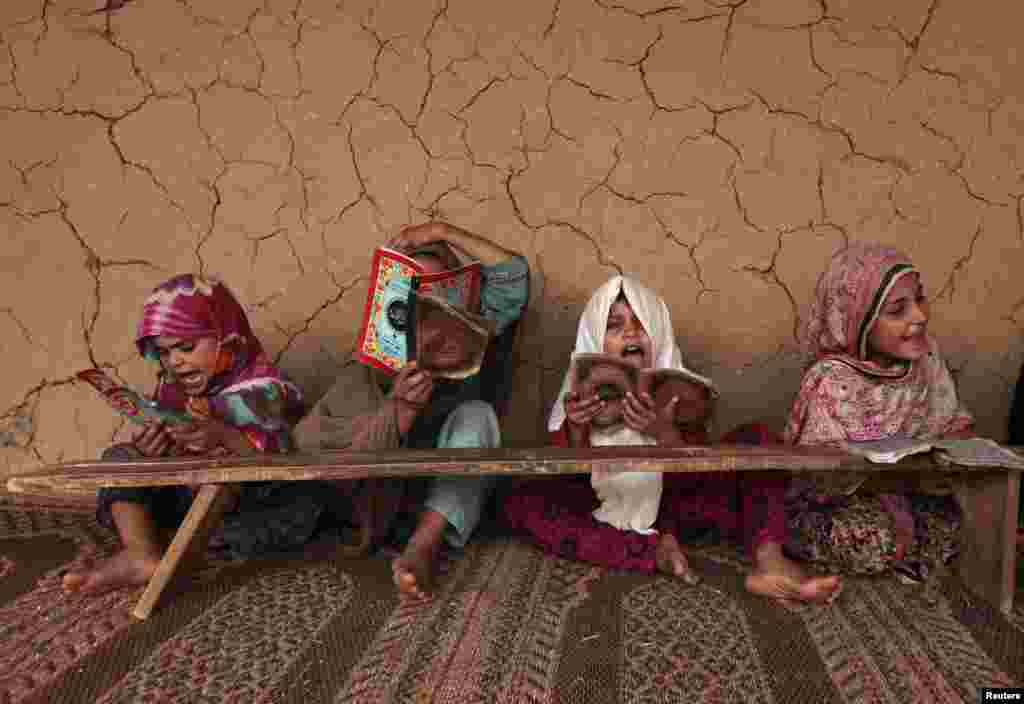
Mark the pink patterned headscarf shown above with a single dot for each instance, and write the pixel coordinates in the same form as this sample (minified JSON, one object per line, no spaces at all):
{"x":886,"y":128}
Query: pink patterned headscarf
{"x":190,"y":307}
{"x":849,"y":297}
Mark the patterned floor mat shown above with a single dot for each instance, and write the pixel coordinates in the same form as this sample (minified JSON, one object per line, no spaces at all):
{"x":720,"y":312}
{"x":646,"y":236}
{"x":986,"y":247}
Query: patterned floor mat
{"x":507,"y":624}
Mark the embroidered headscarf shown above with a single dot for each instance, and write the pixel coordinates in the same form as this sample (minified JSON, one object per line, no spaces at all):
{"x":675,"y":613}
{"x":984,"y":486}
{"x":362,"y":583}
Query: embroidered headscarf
{"x":246,"y":390}
{"x":629,"y":500}
{"x":849,"y":297}
{"x":846,"y":396}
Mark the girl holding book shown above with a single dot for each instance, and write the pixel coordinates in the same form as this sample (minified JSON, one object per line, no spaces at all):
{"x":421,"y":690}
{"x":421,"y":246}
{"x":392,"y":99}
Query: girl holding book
{"x":212,"y":367}
{"x":633,"y":520}
{"x":876,"y":373}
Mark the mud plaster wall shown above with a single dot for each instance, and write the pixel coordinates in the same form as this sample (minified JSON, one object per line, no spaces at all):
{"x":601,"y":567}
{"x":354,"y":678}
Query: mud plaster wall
{"x":720,"y":151}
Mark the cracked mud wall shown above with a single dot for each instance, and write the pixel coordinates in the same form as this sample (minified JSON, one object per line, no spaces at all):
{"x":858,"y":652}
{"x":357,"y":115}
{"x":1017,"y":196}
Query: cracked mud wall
{"x":721,"y":151}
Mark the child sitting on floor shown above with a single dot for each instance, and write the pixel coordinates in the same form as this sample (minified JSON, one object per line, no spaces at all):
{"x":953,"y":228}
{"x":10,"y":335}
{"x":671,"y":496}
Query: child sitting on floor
{"x":876,"y":374}
{"x":418,"y":410}
{"x":631,"y":520}
{"x":213,"y":367}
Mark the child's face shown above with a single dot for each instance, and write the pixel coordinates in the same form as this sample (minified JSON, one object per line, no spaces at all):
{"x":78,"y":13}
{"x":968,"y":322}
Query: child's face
{"x":444,"y":344}
{"x":899,"y":333}
{"x":192,"y":362}
{"x":625,"y":336}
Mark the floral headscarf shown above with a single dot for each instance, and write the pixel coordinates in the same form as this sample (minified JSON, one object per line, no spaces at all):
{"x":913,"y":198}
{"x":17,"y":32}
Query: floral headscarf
{"x":246,"y":390}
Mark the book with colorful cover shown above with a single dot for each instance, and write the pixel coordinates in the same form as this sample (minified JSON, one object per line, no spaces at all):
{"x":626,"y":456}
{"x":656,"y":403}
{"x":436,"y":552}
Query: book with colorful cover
{"x":383,"y":340}
{"x":130,"y":403}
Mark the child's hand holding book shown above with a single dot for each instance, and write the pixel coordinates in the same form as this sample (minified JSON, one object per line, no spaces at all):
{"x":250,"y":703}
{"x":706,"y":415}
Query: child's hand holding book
{"x":152,"y":439}
{"x":410,"y":393}
{"x":209,"y":436}
{"x":662,"y":403}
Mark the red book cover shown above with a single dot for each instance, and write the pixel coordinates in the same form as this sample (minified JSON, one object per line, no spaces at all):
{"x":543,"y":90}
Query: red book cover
{"x":383,"y":340}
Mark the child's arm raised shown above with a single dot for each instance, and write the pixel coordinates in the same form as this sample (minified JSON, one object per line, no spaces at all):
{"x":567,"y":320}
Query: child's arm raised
{"x":486,"y":252}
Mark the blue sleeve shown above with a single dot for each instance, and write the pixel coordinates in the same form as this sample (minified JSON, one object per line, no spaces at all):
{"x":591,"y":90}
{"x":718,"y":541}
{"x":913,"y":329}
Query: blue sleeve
{"x":505,"y":291}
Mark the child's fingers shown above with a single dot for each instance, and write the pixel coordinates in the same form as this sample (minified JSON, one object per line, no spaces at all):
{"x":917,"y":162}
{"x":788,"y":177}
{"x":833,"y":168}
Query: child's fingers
{"x":188,"y":438}
{"x":670,"y":407}
{"x":404,"y":373}
{"x":633,"y":404}
{"x":399,"y":242}
{"x":423,"y":385}
{"x":638,"y":417}
{"x":641,"y":402}
{"x":161,"y":445}
{"x":421,"y":394}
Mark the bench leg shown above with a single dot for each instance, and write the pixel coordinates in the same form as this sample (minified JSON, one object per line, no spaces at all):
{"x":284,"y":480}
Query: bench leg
{"x":988,"y":551}
{"x":190,"y":543}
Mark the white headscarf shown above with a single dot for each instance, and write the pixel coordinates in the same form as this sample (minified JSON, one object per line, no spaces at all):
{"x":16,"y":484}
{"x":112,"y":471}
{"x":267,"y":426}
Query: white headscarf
{"x":629,"y":500}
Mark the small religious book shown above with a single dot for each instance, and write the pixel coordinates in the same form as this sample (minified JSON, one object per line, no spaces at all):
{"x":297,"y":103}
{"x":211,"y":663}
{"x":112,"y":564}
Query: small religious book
{"x":978,"y":452}
{"x":610,"y":377}
{"x":130,"y":403}
{"x":667,"y":383}
{"x":888,"y":450}
{"x":395,"y":277}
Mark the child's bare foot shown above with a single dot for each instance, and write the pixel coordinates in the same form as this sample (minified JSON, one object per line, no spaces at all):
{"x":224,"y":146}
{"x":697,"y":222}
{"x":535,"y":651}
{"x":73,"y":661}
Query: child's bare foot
{"x":127,"y":568}
{"x":670,"y":560}
{"x":778,"y":577}
{"x":413,"y":570}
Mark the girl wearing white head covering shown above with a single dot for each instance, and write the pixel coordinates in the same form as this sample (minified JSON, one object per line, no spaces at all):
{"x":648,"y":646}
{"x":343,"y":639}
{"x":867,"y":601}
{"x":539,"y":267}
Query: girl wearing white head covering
{"x":629,"y":500}
{"x":638,"y":513}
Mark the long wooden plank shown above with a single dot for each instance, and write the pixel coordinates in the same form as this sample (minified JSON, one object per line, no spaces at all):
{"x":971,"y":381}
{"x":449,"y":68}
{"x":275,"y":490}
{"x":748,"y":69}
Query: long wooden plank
{"x":988,"y":550}
{"x":189,"y":545}
{"x":409,"y":463}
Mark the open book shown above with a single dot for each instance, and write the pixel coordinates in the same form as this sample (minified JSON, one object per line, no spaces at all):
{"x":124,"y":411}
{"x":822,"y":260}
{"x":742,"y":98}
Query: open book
{"x":611,"y":378}
{"x":888,"y":450}
{"x":978,"y":452}
{"x":394,"y":277}
{"x":967,"y":452}
{"x":130,"y":403}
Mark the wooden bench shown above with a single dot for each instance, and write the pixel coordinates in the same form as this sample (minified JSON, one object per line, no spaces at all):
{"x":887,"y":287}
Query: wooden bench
{"x":989,"y":498}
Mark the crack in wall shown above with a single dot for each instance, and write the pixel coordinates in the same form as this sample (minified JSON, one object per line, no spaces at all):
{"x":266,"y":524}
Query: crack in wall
{"x":734,"y":7}
{"x":308,"y":322}
{"x":1020,"y":217}
{"x":948,"y":289}
{"x":770,"y":274}
{"x":913,"y":43}
{"x":691,"y":252}
{"x":462,"y":175}
{"x":25,"y":333}
{"x":602,"y":259}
